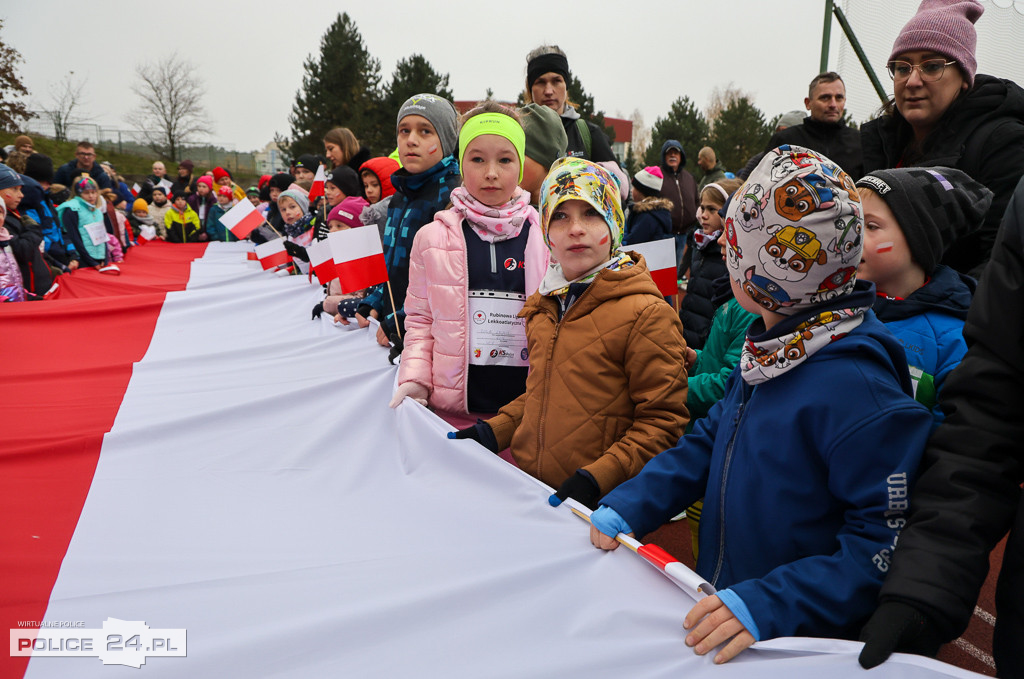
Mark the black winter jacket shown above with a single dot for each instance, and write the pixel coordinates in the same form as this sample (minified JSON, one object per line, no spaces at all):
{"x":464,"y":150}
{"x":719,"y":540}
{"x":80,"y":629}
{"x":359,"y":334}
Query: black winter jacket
{"x":968,"y":494}
{"x":982,"y":134}
{"x":699,"y":304}
{"x":838,"y":142}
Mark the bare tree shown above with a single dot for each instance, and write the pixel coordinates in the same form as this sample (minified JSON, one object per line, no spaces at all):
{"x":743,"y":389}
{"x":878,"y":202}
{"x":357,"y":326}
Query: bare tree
{"x":641,"y":134}
{"x":65,"y":100}
{"x":720,"y":99}
{"x":170,"y":113}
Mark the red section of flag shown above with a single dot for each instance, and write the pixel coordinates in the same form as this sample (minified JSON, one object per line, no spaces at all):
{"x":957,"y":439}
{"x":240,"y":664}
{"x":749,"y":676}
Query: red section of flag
{"x":53,"y":430}
{"x":247,"y":224}
{"x":317,"y":189}
{"x":357,"y":274}
{"x":251,"y":256}
{"x":326,"y":271}
{"x":242,"y":219}
{"x":666,"y":281}
{"x":275,"y":260}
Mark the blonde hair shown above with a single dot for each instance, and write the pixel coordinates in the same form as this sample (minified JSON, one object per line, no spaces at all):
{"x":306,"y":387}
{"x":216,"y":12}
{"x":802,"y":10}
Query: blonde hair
{"x":713,"y":196}
{"x":490,"y":106}
{"x":344,"y":139}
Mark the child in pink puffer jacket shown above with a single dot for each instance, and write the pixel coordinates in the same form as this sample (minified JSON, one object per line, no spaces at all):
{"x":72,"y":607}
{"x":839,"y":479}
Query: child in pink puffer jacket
{"x":470,"y":271}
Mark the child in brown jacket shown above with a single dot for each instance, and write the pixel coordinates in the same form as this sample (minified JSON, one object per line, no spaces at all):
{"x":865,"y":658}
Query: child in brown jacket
{"x":607,"y":387}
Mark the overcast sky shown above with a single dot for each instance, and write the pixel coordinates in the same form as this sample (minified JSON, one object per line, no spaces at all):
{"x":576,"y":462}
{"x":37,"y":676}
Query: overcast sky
{"x":629,"y":55}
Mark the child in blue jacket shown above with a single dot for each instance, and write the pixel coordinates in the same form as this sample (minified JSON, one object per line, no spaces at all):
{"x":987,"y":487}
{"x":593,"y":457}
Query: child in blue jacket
{"x":427,"y":144}
{"x":911,"y":216}
{"x":806,"y":463}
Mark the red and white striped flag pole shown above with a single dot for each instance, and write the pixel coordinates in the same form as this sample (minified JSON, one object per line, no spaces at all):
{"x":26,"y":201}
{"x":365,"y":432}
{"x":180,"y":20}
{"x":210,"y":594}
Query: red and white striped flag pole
{"x":684,"y":578}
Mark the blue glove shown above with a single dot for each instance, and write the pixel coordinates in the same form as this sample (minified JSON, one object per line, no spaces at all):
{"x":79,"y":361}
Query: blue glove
{"x":608,"y":521}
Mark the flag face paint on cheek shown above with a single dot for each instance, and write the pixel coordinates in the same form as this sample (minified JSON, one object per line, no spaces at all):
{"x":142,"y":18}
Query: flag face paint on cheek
{"x":432,"y":149}
{"x":884,"y":247}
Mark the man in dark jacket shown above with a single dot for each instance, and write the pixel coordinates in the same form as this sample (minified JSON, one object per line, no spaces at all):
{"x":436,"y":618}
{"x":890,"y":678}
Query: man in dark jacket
{"x":84,"y":162}
{"x":680,"y":187}
{"x":969,"y":491}
{"x":824,"y":130}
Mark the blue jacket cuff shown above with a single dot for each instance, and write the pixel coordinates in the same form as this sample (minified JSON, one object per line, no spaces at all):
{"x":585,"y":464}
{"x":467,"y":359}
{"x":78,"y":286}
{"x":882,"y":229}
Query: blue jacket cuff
{"x":735,"y":604}
{"x":608,"y":521}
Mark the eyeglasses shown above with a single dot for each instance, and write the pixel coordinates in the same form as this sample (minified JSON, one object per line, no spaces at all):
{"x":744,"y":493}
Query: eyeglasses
{"x":930,"y":69}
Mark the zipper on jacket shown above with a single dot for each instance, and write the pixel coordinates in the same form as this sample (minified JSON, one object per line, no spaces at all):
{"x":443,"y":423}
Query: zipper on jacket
{"x":737,"y":421}
{"x":547,"y":379}
{"x":494,"y":259}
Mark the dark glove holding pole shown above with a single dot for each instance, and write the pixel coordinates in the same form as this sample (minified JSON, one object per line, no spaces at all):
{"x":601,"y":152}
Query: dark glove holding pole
{"x":296,"y":250}
{"x":317,"y":310}
{"x":480,"y":432}
{"x":897,"y":627}
{"x":581,"y":487}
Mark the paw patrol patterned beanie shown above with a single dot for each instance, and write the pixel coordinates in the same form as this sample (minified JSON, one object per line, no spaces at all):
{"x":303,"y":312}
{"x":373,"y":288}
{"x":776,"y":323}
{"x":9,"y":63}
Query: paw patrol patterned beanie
{"x":794,"y":231}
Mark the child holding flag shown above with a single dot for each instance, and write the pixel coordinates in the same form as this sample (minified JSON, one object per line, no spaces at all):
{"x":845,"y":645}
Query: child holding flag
{"x":427,"y":143}
{"x":470,"y":271}
{"x":817,"y":438}
{"x":606,"y":389}
{"x":214,"y":229}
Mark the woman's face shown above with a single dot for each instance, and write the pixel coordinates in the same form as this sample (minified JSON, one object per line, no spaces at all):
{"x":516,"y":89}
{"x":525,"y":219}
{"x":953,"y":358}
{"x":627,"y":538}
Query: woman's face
{"x":922,"y":104}
{"x":334,"y":153}
{"x":550,"y":90}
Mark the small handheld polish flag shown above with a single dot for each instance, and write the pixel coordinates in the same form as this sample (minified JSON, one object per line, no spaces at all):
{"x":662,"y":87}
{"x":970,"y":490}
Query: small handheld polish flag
{"x":660,"y":256}
{"x":358,"y":257}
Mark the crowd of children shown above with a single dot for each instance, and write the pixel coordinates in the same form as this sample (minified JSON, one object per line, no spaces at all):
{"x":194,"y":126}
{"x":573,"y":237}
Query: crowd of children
{"x":793,"y":393}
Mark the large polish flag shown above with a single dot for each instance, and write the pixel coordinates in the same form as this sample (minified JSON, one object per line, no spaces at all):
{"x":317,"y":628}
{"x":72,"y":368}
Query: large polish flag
{"x":358,"y":257}
{"x":242,"y":219}
{"x":660,"y":256}
{"x":227,"y":477}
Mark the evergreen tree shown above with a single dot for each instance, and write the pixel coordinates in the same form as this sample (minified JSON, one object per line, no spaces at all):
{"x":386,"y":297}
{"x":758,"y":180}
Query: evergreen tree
{"x":341,"y":88}
{"x":584,"y":104}
{"x":684,"y":123}
{"x":412,"y":75}
{"x":11,"y":88}
{"x":740,"y":132}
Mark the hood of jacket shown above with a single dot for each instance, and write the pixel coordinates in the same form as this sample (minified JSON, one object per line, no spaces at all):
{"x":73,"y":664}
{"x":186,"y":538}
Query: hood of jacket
{"x":947,"y":292}
{"x":652,"y":203}
{"x":673,"y":144}
{"x":990,"y":98}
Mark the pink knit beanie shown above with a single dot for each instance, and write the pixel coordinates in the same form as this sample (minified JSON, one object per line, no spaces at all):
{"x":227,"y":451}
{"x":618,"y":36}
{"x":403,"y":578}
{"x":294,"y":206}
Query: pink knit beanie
{"x":945,"y":27}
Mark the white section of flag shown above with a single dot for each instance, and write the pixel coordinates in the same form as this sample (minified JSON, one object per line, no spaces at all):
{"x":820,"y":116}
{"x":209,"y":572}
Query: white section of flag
{"x":659,"y":254}
{"x":352,"y":244}
{"x":242,"y":219}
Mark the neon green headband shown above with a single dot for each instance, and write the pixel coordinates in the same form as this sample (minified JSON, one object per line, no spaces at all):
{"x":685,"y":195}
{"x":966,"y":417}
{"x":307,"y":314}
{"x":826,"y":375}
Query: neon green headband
{"x":493,"y":123}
